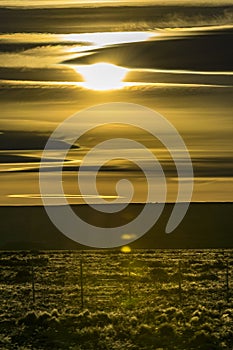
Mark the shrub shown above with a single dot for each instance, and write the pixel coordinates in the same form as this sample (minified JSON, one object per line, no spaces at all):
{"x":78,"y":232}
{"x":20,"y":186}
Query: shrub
{"x":43,"y":318}
{"x":100,"y":318}
{"x":195,"y":320}
{"x":162,"y":318}
{"x":29,"y":319}
{"x":207,"y":327}
{"x":22,"y":276}
{"x":55,"y":313}
{"x":166,"y":330}
{"x":196,"y":313}
{"x":159,"y":275}
{"x":203,"y":340}
{"x":146,"y":335}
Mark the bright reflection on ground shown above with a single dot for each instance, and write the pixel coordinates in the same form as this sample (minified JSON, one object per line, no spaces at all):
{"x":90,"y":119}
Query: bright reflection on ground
{"x":102,"y":76}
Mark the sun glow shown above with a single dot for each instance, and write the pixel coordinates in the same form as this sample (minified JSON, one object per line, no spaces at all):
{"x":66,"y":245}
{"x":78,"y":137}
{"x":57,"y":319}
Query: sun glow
{"x":125,"y":249}
{"x":102,"y":76}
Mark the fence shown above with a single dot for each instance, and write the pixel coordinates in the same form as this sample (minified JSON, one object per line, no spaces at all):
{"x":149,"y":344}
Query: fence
{"x":110,"y":279}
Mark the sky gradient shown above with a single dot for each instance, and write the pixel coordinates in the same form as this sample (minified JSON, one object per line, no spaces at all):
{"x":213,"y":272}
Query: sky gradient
{"x":176,"y":60}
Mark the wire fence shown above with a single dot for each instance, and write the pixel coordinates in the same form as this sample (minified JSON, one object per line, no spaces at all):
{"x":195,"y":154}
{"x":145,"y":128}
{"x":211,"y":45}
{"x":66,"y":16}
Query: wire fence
{"x":111,"y":279}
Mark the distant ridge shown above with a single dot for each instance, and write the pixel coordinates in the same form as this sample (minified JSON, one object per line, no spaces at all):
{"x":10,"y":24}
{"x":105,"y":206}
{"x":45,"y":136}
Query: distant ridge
{"x":206,"y":225}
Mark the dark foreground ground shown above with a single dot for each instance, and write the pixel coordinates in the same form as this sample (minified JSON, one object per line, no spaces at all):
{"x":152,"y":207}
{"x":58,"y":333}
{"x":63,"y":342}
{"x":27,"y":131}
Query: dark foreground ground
{"x":146,"y":299}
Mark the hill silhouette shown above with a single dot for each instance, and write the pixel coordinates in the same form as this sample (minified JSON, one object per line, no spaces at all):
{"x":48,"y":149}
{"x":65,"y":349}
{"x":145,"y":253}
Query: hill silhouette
{"x":206,"y":225}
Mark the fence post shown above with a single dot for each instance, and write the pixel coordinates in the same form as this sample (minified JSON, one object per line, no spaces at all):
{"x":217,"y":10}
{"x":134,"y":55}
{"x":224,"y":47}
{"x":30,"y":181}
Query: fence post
{"x":179,"y":281}
{"x":81,"y":282}
{"x":227,"y":280}
{"x":129,"y":282}
{"x":33,"y":284}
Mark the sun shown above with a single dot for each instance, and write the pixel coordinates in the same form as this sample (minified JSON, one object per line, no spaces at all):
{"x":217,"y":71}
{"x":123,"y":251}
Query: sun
{"x":102,"y":76}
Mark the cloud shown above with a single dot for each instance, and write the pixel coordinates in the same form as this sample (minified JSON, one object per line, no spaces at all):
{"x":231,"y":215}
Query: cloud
{"x":200,"y":52}
{"x":23,"y":140}
{"x":65,"y":20}
{"x":97,"y":3}
{"x":39,"y":57}
{"x":46,"y":50}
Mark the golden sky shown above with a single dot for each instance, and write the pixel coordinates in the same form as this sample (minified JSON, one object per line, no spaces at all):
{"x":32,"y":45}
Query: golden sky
{"x":178,"y":66}
{"x":66,"y":3}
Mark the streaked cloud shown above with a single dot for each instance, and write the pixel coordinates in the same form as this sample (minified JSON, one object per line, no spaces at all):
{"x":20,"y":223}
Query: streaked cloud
{"x":39,"y":57}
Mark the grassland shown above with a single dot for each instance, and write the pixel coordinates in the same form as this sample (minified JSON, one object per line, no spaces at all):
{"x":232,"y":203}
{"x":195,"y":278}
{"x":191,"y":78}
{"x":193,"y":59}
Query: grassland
{"x":146,"y":299}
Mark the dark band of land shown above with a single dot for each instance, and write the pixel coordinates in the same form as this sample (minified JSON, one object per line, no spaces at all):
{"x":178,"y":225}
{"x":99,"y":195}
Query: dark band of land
{"x":206,"y":225}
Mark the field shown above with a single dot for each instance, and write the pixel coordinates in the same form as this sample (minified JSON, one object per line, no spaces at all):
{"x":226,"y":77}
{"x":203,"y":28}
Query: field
{"x":145,"y":299}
